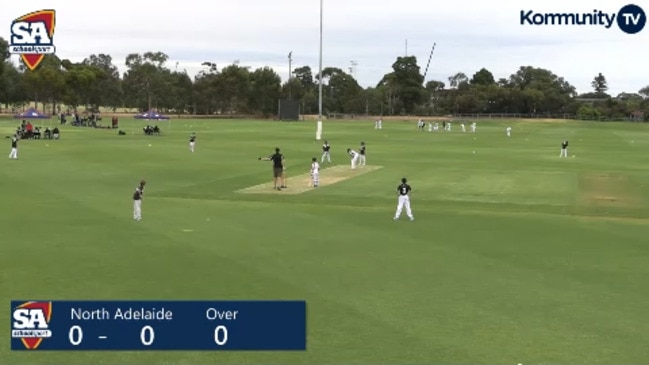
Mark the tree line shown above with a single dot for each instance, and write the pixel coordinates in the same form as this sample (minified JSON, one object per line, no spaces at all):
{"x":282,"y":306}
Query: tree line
{"x":234,"y":89}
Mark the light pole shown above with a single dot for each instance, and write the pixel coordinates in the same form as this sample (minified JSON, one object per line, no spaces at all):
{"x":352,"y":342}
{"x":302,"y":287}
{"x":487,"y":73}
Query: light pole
{"x":318,"y":133}
{"x":290,"y":75}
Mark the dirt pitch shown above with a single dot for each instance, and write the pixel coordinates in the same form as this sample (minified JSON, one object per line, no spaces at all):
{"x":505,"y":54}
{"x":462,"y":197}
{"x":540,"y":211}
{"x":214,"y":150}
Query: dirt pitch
{"x":300,"y":183}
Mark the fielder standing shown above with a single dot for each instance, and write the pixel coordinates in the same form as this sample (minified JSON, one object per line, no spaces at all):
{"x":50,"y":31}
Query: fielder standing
{"x":315,"y":172}
{"x":354,"y":157}
{"x":325,"y":152}
{"x":13,"y":155}
{"x":403,"y":191}
{"x":137,"y":201}
{"x":564,"y":149}
{"x":192,"y":142}
{"x":362,"y":154}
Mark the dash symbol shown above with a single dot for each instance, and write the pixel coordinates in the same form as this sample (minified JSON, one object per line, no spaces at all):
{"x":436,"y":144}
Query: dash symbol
{"x":103,"y":337}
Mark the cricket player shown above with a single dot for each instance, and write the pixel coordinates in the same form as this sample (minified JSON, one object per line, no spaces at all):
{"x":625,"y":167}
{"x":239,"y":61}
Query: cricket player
{"x":564,"y":149}
{"x":436,"y":127}
{"x":463,"y":127}
{"x":362,"y":154}
{"x":137,"y":201}
{"x":315,"y":172}
{"x":325,"y":152}
{"x":430,"y":126}
{"x":448,"y":126}
{"x":354,"y":157}
{"x":192,"y":142}
{"x":473,"y":127}
{"x":13,"y":155}
{"x":403,"y":191}
{"x":421,"y":124}
{"x":379,"y":124}
{"x":509,"y":131}
{"x":279,"y":173}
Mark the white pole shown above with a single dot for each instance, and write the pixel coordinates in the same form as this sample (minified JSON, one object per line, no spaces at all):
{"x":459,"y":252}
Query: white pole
{"x":318,"y":133}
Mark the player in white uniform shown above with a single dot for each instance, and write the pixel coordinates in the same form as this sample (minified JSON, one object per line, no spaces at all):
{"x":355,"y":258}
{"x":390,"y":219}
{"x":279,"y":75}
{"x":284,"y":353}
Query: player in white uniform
{"x":354,"y":157}
{"x":473,"y":126}
{"x":315,"y":172}
{"x":509,"y":131}
{"x":192,"y":142}
{"x":463,"y":127}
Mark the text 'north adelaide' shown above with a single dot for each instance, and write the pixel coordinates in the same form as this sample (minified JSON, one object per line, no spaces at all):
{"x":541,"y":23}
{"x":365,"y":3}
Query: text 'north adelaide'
{"x":631,"y":18}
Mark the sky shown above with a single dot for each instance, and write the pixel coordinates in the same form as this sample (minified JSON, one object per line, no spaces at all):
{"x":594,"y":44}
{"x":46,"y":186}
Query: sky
{"x":468,"y":35}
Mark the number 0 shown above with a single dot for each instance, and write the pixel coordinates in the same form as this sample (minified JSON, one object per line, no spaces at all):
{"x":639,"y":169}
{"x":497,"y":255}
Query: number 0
{"x":75,"y":335}
{"x":147,"y":331}
{"x":221,"y":335}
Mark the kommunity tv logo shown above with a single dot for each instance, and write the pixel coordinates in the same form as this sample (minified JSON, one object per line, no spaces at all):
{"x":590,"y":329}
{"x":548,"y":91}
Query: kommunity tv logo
{"x":631,"y":19}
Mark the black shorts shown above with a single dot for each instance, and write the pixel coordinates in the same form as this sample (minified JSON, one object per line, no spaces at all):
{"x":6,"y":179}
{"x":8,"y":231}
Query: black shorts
{"x":277,"y":171}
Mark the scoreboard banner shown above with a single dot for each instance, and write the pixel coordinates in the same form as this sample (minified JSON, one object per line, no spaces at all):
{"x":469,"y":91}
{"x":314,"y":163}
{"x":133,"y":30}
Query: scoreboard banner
{"x":158,"y":325}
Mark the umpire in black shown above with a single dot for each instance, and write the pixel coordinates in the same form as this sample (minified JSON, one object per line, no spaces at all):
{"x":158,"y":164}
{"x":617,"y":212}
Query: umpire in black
{"x":278,"y":169}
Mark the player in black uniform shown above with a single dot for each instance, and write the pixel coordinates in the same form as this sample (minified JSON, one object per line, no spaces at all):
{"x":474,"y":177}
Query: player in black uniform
{"x":403,"y":191}
{"x":362,"y":153}
{"x":279,"y":179}
{"x":564,"y":149}
{"x":325,"y":152}
{"x":13,"y":155}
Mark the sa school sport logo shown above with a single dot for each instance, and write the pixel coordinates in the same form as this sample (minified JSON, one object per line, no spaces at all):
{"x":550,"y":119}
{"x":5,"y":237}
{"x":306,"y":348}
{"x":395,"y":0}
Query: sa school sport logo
{"x":631,"y":19}
{"x":32,"y":37}
{"x":30,"y":322}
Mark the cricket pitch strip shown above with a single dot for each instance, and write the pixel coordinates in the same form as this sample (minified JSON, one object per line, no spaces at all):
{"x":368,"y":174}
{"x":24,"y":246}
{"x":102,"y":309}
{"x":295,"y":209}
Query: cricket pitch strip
{"x":300,"y":183}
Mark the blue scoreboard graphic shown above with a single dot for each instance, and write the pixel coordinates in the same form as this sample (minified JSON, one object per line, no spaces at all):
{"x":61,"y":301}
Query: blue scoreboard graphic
{"x":158,"y":325}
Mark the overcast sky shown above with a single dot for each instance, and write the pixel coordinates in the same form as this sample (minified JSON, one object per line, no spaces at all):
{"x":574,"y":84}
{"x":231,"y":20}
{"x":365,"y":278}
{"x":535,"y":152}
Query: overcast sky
{"x":470,"y":34}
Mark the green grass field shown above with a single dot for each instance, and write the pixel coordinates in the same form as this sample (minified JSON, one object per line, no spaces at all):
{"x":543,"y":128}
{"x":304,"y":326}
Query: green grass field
{"x":515,"y":256}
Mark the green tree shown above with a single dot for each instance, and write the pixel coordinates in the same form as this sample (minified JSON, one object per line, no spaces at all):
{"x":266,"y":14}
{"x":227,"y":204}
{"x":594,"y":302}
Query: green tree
{"x":409,"y":81}
{"x":46,"y":83}
{"x":4,"y":53}
{"x":233,"y":88}
{"x":80,"y":82}
{"x":144,"y":83}
{"x":108,"y":87}
{"x":599,"y":84}
{"x":483,"y":77}
{"x":12,"y":86}
{"x":265,"y":91}
{"x":458,"y":80}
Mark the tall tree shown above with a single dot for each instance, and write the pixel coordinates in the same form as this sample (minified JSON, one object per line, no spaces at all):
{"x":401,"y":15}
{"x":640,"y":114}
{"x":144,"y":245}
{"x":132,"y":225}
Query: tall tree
{"x":47,"y":82}
{"x":599,"y":84}
{"x":483,"y":77}
{"x":644,"y":91}
{"x":264,"y":91}
{"x":12,"y":86}
{"x":143,"y":82}
{"x":4,"y":53}
{"x":108,"y":90}
{"x":458,"y":80}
